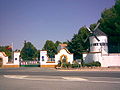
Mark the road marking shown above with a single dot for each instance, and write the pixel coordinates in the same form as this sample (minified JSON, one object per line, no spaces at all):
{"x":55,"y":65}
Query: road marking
{"x":15,"y":76}
{"x":49,"y":78}
{"x":56,"y":78}
{"x":105,"y":82}
{"x":74,"y":79}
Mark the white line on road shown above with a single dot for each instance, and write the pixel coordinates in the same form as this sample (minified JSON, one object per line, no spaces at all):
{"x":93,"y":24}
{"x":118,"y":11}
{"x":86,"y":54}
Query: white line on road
{"x":58,"y":78}
{"x":74,"y":79}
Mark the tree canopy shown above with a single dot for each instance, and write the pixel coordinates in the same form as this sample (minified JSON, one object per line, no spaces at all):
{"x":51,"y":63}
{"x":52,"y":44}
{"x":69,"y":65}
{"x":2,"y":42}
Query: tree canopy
{"x":110,"y":24}
{"x":28,"y":52}
{"x":51,"y":48}
{"x":77,"y":44}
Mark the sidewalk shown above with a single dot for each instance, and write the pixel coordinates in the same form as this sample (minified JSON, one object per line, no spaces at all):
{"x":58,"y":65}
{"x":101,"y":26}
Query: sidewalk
{"x":90,"y":69}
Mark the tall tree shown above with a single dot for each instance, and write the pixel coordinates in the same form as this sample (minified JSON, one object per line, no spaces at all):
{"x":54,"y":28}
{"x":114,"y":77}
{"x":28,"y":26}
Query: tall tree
{"x":57,"y":43}
{"x":28,"y":52}
{"x":110,"y":24}
{"x":51,"y":48}
{"x":77,"y":44}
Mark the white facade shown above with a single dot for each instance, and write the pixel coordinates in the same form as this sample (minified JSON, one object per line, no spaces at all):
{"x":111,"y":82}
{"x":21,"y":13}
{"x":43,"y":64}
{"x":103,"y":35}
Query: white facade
{"x":4,"y":58}
{"x":44,"y":60}
{"x":16,"y":58}
{"x":64,"y":53}
{"x":92,"y":57}
{"x":99,"y":46}
{"x":6,"y":64}
{"x":43,"y":57}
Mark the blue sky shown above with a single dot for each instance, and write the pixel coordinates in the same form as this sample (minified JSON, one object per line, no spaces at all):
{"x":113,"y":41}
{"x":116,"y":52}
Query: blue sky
{"x":40,"y":20}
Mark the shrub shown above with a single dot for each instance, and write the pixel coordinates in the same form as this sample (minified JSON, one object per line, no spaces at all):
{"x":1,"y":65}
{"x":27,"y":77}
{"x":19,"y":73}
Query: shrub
{"x":66,"y":65}
{"x":75,"y":65}
{"x":96,"y":64}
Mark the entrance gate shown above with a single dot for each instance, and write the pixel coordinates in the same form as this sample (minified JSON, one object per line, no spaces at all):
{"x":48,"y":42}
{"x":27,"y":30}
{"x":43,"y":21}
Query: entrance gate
{"x":64,"y":59}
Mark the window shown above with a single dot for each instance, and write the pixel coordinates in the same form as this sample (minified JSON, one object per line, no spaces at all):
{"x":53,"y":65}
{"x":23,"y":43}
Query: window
{"x":95,"y":44}
{"x":103,"y":44}
{"x":42,"y":58}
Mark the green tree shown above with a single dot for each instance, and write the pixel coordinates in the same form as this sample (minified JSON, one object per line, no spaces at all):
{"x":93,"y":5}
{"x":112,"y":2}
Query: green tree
{"x":65,"y":42}
{"x":110,"y":24}
{"x":28,"y":52}
{"x":57,"y":43}
{"x":77,"y":44}
{"x":51,"y":48}
{"x":38,"y":54}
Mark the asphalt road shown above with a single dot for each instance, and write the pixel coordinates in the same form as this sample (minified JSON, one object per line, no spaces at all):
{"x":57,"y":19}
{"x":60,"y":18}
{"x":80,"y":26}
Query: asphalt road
{"x":51,"y":79}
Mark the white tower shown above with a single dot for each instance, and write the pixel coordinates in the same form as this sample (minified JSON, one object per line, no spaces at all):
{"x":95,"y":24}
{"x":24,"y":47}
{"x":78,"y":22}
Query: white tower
{"x":16,"y":58}
{"x":99,"y":42}
{"x":98,"y":45}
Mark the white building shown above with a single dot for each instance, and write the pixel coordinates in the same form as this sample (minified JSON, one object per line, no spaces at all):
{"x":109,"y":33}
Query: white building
{"x":16,"y":58}
{"x":4,"y":60}
{"x":99,"y":51}
{"x":63,"y":55}
{"x":45,"y":60}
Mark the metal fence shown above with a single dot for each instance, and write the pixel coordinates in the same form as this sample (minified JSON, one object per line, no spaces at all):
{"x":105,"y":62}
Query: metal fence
{"x":29,"y":63}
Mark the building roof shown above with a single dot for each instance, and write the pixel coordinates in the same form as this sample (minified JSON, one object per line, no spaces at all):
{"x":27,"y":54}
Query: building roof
{"x":65,"y":50}
{"x":98,"y":32}
{"x":4,"y":54}
{"x":63,"y":45}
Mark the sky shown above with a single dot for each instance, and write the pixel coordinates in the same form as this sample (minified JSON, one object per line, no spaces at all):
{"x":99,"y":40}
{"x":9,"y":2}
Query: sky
{"x":39,"y":20}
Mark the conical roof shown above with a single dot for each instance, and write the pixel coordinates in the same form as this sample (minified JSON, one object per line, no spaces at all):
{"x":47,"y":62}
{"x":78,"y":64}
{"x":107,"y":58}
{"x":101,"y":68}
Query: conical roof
{"x":98,"y":32}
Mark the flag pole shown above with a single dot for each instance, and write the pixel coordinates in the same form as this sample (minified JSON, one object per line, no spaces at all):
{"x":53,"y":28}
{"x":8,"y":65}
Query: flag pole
{"x":12,"y":53}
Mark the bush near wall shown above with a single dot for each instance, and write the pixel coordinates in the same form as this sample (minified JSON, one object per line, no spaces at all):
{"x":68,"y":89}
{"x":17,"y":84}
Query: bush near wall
{"x":93,"y":64}
{"x":76,"y":65}
{"x":68,"y":65}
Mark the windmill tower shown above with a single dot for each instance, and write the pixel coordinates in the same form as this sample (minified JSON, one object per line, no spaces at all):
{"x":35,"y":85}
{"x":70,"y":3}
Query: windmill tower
{"x":98,"y":40}
{"x":98,"y":45}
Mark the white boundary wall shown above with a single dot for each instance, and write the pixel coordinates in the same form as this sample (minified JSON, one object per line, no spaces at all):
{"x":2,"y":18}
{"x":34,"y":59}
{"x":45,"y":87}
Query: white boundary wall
{"x":92,"y":57}
{"x":106,"y":60}
{"x":110,"y":60}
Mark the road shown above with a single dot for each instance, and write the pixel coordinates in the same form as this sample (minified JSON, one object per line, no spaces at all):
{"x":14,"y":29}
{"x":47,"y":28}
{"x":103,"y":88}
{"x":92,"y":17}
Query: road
{"x":51,"y":79}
